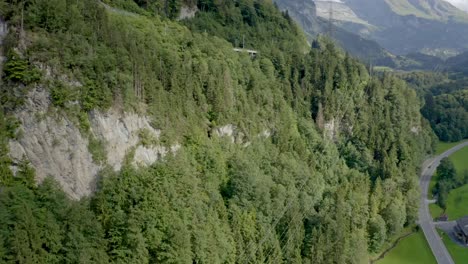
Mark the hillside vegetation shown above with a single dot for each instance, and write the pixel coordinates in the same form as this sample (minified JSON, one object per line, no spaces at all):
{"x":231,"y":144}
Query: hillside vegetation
{"x":324,"y":165}
{"x":445,"y":102}
{"x":448,"y":114}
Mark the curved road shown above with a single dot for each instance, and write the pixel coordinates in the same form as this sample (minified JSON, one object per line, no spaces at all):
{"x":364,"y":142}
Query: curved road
{"x":425,"y":219}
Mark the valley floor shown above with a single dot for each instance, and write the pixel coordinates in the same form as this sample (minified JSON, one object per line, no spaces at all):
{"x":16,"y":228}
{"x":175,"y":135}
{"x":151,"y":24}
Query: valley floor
{"x":458,"y":253}
{"x":415,"y":249}
{"x":457,"y":205}
{"x":411,"y":250}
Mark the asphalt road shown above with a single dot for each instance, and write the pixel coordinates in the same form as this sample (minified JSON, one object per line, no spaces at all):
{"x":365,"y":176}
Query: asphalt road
{"x":425,"y":219}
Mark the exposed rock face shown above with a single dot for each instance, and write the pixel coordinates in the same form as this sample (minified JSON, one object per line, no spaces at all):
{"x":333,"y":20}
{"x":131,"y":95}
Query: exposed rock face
{"x":462,"y":4}
{"x":3,"y":29}
{"x":3,"y":33}
{"x":265,"y":133}
{"x":120,"y":134}
{"x":305,"y":13}
{"x":226,"y":131}
{"x":416,"y":129}
{"x":148,"y":155}
{"x":332,"y":129}
{"x":337,"y":10}
{"x":55,"y":147}
{"x":187,"y":12}
{"x":230,"y":131}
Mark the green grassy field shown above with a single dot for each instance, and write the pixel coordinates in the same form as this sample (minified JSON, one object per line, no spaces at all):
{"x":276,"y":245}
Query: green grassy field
{"x":458,"y":253}
{"x":411,"y":250}
{"x":435,"y":210}
{"x":443,"y":146}
{"x":457,"y":196}
{"x":414,"y":249}
{"x":460,"y":160}
{"x":457,"y":206}
{"x":457,"y":201}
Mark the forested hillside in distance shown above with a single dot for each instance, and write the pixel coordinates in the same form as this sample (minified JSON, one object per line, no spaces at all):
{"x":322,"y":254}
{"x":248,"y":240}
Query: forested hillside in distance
{"x":322,"y":167}
{"x":445,"y":102}
{"x":448,"y":115}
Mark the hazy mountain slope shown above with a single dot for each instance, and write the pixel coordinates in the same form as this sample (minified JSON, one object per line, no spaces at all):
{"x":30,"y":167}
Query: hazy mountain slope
{"x":461,"y":4}
{"x":327,"y":9}
{"x":306,"y":14}
{"x":379,"y":12}
{"x":368,"y":51}
{"x":428,"y":9}
{"x":459,"y":63}
{"x":434,"y":27}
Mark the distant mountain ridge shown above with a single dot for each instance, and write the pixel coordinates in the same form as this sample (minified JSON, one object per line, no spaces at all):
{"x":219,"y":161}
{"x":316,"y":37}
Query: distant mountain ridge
{"x":434,"y":27}
{"x":429,"y":9}
{"x":306,"y":15}
{"x":461,"y":4}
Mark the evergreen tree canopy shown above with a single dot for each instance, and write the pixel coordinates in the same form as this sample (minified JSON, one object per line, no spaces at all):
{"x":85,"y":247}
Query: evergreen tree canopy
{"x":326,"y":170}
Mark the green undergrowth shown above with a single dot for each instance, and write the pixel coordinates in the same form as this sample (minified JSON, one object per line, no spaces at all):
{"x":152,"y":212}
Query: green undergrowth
{"x":435,"y":210}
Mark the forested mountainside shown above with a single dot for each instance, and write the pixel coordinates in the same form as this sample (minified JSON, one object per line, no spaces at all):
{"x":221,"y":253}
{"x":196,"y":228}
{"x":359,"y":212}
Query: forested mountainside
{"x":445,"y":99}
{"x":295,"y":155}
{"x":447,"y":113}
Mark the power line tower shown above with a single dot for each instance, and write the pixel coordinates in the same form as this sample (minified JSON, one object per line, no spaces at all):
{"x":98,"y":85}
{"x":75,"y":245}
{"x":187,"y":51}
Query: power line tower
{"x":330,"y":20}
{"x":371,"y":67}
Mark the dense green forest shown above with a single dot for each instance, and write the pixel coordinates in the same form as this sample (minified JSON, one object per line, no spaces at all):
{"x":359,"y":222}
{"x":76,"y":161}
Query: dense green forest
{"x":448,"y":114}
{"x":445,"y":97}
{"x":306,"y":194}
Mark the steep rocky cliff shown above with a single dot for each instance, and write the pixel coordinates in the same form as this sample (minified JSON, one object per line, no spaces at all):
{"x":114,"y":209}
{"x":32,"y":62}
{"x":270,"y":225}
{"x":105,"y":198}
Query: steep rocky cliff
{"x":56,"y":147}
{"x":3,"y":33}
